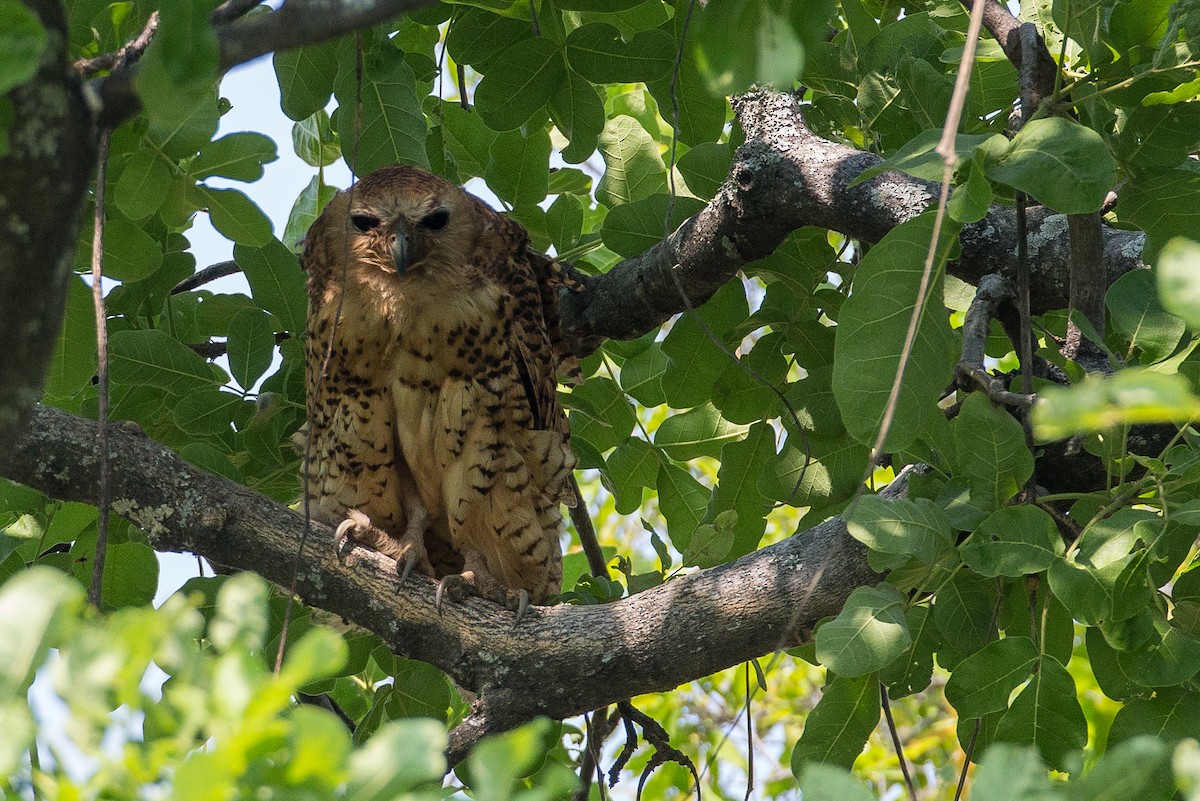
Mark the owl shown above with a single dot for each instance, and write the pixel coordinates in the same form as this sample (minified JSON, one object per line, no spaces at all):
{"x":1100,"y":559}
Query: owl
{"x":436,"y":435}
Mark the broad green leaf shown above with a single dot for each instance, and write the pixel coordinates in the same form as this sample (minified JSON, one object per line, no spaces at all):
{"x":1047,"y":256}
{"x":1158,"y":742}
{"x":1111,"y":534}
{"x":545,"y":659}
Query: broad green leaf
{"x":1164,"y":204}
{"x":479,"y":37}
{"x":1179,"y":280}
{"x":181,"y":120}
{"x":276,"y":282}
{"x":972,"y":198}
{"x":683,"y":501}
{"x":702,"y":112}
{"x":130,"y":254}
{"x":143,"y":184}
{"x":837,"y":728}
{"x":74,"y":361}
{"x":634,"y":167}
{"x":697,"y":361}
{"x":1047,"y":712}
{"x":697,"y":432}
{"x":1131,"y":397}
{"x":314,"y":141}
{"x":152,"y":358}
{"x":1159,"y":136}
{"x":1084,"y":21}
{"x":239,"y":156}
{"x":189,"y":43}
{"x":1137,"y":768}
{"x":518,"y":167}
{"x":737,"y":489}
{"x":963,"y":612}
{"x":401,"y":756}
{"x":308,"y":206}
{"x":38,"y":609}
{"x":899,"y":526}
{"x":871,"y":333}
{"x":130,"y":575}
{"x":711,"y":543}
{"x":705,"y":168}
{"x":747,"y":391}
{"x":393,"y":127}
{"x":520,"y":83}
{"x":919,"y":158}
{"x":597,"y":52}
{"x":992,"y":454}
{"x":306,"y":76}
{"x":1170,"y":659}
{"x":1136,"y":313}
{"x":633,"y":228}
{"x":236,"y":216}
{"x":867,"y":635}
{"x":564,"y":222}
{"x":1013,"y":541}
{"x":983,"y":682}
{"x":578,"y":112}
{"x":251,"y":346}
{"x":826,"y":783}
{"x":912,"y":671}
{"x":1008,"y":772}
{"x":833,"y":473}
{"x":1061,"y":163}
{"x":22,"y":39}
{"x":1171,"y":715}
{"x":742,"y":42}
{"x":241,"y":613}
{"x":207,"y":412}
{"x":630,"y":468}
{"x":603,"y":415}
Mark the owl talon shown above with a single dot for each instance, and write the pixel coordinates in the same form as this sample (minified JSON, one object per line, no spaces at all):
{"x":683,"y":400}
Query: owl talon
{"x":405,"y":566}
{"x":456,"y":585}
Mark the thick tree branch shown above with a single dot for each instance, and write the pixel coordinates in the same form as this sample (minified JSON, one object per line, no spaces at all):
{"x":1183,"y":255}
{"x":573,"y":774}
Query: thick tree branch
{"x":43,"y":187}
{"x":785,"y":177}
{"x":304,"y":22}
{"x":563,"y":660}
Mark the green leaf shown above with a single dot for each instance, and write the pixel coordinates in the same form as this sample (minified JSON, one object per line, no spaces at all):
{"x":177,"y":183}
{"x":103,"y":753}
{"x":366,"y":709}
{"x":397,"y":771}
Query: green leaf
{"x":564,"y":221}
{"x":737,"y":489}
{"x":1014,"y":541}
{"x":597,"y":52}
{"x":991,"y":452}
{"x":251,"y":346}
{"x":920,"y":159}
{"x":314,"y":141}
{"x":207,"y":412}
{"x":838,"y":726}
{"x":308,"y":206}
{"x":963,"y":612}
{"x":1171,"y":715}
{"x":871,"y":332}
{"x":1009,"y":772}
{"x":603,"y":417}
{"x":38,"y":608}
{"x":683,"y":501}
{"x":239,"y":156}
{"x":972,"y":198}
{"x":181,"y":120}
{"x":869,"y":633}
{"x":710,"y":544}
{"x":912,"y":671}
{"x":834,"y":473}
{"x":276,"y":282}
{"x":518,"y":167}
{"x":74,"y":361}
{"x":578,"y":112}
{"x":1047,"y":712}
{"x":130,"y":254}
{"x":697,"y":432}
{"x":1164,"y":204}
{"x":520,"y":83}
{"x":899,"y":526}
{"x":1178,"y":281}
{"x":983,"y":682}
{"x":742,"y":42}
{"x":1061,"y":163}
{"x":393,"y":126}
{"x":241,"y":613}
{"x":1159,"y":136}
{"x":22,"y":39}
{"x":696,"y":361}
{"x":1137,"y":768}
{"x":479,"y":37}
{"x":1137,"y":315}
{"x":1130,"y":397}
{"x":634,"y":168}
{"x":306,"y":76}
{"x":633,"y":228}
{"x":236,"y":216}
{"x":826,"y":783}
{"x":189,"y":44}
{"x":153,"y":358}
{"x":143,"y":184}
{"x":630,"y":468}
{"x":401,"y":756}
{"x":130,"y":575}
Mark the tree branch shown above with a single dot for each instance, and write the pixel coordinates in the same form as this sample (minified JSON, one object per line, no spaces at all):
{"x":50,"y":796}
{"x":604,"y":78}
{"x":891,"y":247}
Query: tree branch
{"x":43,"y":187}
{"x":785,"y":177}
{"x":563,"y":660}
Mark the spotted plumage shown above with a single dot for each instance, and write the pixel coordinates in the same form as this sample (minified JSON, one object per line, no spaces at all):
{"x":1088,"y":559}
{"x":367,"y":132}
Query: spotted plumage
{"x":433,"y":353}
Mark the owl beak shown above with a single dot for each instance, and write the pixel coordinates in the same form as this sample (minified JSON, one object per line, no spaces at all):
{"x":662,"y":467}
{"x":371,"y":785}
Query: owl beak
{"x":400,"y":251}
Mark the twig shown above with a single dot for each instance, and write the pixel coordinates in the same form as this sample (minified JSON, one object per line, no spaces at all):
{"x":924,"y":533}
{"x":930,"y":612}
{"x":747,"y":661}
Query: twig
{"x":891,"y":727}
{"x":105,"y":500}
{"x":230,"y":10}
{"x":214,"y":350}
{"x":128,"y":54}
{"x":202,"y":277}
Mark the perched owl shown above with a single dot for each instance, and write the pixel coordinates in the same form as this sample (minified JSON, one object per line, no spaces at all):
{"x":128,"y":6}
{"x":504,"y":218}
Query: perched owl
{"x":433,"y":351}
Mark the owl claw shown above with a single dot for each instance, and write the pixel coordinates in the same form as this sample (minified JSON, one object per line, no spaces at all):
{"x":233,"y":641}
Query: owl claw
{"x":521,"y":599}
{"x":405,"y":567}
{"x":456,"y":585}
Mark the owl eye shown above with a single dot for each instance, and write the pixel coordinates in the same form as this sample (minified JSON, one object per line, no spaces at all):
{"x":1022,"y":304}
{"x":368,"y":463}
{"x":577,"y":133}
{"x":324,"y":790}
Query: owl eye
{"x":364,"y":222}
{"x":436,"y":220}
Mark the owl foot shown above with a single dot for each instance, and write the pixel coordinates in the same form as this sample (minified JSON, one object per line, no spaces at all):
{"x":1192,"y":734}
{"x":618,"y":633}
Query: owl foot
{"x":457,"y":586}
{"x":517,"y":602}
{"x":408,"y":551}
{"x":355,"y":528}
